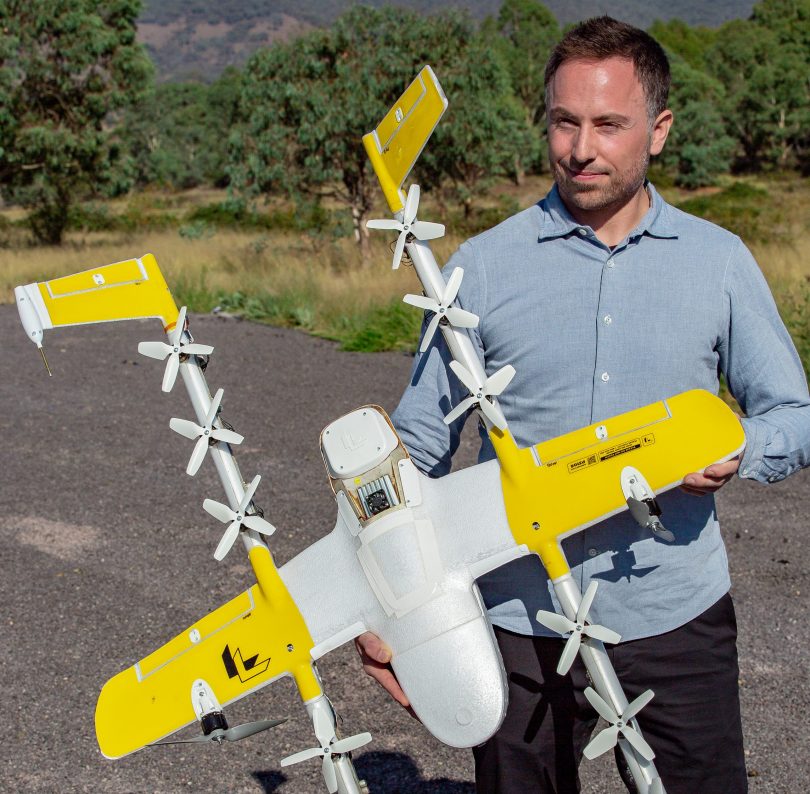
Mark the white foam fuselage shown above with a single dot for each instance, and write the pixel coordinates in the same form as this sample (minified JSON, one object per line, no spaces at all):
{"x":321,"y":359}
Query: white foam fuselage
{"x":412,"y":582}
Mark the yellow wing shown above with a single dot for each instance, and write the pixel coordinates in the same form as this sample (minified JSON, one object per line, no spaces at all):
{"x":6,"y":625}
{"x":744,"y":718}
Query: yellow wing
{"x":248,"y":642}
{"x":125,"y":290}
{"x":398,"y":141}
{"x":570,"y":482}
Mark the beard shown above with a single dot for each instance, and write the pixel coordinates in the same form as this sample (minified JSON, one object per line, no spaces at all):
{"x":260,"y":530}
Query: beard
{"x":615,"y":191}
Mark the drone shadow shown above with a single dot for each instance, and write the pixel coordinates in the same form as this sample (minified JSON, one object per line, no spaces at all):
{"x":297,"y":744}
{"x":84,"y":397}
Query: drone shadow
{"x":385,"y":773}
{"x":269,"y":780}
{"x":396,"y":773}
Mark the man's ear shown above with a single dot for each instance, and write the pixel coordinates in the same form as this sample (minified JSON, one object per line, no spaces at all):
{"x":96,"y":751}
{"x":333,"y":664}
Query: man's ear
{"x":660,"y":131}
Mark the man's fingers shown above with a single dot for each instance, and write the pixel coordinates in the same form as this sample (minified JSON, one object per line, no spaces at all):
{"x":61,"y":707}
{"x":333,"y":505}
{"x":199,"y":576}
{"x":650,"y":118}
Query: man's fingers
{"x":385,"y":677}
{"x":723,"y":471}
{"x":694,"y":491}
{"x":371,"y":646}
{"x":376,"y":655}
{"x":712,"y":479}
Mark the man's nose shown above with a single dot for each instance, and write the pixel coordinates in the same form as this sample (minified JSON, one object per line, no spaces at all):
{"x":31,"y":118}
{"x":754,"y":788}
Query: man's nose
{"x":584,"y":145}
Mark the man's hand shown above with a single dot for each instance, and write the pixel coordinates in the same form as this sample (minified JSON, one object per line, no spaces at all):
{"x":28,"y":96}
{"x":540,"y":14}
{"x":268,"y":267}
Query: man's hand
{"x":376,"y":655}
{"x":712,"y":479}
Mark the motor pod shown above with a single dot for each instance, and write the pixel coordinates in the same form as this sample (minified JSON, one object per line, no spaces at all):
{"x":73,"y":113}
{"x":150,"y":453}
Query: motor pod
{"x":212,"y":722}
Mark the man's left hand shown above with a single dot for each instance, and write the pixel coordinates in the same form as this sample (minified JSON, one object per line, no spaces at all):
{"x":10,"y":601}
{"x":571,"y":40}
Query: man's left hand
{"x":713,"y":478}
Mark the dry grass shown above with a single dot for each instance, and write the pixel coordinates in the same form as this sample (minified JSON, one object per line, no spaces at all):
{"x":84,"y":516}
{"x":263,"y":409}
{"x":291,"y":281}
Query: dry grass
{"x":320,"y":284}
{"x":786,"y":261}
{"x":227,"y":261}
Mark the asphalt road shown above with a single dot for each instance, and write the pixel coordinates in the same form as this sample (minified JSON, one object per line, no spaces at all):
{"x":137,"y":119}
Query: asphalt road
{"x":105,"y":554}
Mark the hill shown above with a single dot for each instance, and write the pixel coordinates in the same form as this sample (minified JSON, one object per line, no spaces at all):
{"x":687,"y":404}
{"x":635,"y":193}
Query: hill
{"x":197,"y":39}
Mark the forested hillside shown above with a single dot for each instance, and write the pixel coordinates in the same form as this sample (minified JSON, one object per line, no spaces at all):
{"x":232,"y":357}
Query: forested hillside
{"x":199,"y":39}
{"x":254,"y":186}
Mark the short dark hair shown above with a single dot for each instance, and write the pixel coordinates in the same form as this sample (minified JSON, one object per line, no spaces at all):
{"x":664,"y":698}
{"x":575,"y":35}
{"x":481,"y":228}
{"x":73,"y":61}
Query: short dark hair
{"x":604,"y":37}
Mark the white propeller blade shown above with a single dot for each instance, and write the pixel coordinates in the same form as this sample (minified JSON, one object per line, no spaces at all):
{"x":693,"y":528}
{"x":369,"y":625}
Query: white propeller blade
{"x":173,"y":350}
{"x":204,"y":435}
{"x":443,"y":308}
{"x":491,"y":387}
{"x":619,"y":724}
{"x":562,"y":625}
{"x":421,"y":230}
{"x":327,"y":749}
{"x":236,"y":519}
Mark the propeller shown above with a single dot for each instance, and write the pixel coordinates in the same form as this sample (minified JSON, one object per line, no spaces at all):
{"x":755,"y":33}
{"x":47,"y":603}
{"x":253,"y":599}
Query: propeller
{"x":562,"y":625}
{"x":204,"y":435}
{"x":442,"y":308}
{"x":173,"y":350}
{"x":491,"y":387}
{"x":234,"y":734}
{"x":643,"y":511}
{"x":421,"y":230}
{"x":325,"y":731}
{"x":619,"y":724}
{"x":236,"y":519}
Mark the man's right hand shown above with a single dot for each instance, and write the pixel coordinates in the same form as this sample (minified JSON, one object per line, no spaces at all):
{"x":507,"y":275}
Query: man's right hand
{"x":376,"y":658}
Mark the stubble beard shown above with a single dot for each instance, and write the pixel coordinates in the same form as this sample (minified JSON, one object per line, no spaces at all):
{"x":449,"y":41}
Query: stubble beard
{"x":617,"y":191}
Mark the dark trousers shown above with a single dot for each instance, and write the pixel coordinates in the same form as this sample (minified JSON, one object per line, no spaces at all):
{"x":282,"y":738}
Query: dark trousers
{"x":692,"y":723}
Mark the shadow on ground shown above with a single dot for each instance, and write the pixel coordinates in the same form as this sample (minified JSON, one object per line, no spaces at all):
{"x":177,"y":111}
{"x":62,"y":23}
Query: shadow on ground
{"x":386,"y":773}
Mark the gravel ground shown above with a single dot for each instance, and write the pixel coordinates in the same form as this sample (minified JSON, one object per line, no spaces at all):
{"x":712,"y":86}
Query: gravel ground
{"x":106,"y":554}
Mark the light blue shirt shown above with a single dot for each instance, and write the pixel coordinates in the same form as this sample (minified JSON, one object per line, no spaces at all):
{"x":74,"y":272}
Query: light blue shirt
{"x":595,"y":332}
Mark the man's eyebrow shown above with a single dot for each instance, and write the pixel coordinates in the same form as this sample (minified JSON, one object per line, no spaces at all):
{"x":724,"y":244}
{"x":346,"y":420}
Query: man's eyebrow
{"x":619,"y":118}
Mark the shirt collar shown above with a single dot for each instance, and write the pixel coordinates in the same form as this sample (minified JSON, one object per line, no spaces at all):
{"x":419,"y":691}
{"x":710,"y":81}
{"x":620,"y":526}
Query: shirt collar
{"x":558,"y":222}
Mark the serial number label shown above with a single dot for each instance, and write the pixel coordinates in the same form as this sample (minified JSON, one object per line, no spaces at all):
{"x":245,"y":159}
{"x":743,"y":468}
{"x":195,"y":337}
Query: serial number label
{"x":608,"y":453}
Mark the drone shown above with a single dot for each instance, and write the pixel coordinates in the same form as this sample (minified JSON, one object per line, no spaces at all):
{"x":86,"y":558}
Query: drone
{"x":405,"y":552}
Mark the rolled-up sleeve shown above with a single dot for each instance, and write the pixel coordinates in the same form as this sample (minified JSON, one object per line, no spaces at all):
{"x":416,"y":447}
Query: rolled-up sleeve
{"x":765,"y":375}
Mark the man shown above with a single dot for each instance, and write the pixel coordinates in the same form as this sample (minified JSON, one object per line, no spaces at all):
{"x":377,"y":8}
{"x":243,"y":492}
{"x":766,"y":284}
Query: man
{"x":605,"y":298}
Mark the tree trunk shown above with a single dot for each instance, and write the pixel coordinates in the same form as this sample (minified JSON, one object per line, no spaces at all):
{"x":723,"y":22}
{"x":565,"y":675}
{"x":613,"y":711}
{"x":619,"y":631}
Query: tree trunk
{"x":361,"y":232}
{"x":519,"y":172}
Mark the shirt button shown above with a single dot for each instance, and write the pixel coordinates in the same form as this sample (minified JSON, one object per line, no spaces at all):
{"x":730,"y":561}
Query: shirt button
{"x":605,"y":377}
{"x":610,"y":263}
{"x":607,"y":319}
{"x":582,"y":232}
{"x":593,"y":552}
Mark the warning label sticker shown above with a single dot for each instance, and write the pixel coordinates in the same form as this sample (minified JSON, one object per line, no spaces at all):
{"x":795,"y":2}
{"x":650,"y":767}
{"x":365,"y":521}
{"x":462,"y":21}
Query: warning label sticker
{"x":608,"y":453}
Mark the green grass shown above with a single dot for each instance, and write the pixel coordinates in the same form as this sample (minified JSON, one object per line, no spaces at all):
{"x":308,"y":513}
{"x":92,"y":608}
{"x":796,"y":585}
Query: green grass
{"x":742,"y":208}
{"x":374,"y":329}
{"x":392,"y":327}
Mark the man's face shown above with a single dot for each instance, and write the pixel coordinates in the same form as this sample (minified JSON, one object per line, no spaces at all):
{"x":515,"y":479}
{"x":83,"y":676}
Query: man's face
{"x":599,"y":134}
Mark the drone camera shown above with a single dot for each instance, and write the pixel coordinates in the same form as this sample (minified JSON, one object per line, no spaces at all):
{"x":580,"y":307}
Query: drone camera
{"x":361,"y":451}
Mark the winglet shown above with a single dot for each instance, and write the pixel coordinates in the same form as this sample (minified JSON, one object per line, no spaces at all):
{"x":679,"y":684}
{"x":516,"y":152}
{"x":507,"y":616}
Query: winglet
{"x":125,"y":290}
{"x":396,"y":144}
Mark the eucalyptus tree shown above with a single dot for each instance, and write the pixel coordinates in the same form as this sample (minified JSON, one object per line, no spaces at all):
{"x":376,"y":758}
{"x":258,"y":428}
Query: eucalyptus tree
{"x":66,"y":67}
{"x":524,"y":33}
{"x":306,"y":105}
{"x":763,"y":64}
